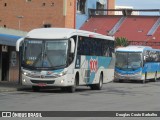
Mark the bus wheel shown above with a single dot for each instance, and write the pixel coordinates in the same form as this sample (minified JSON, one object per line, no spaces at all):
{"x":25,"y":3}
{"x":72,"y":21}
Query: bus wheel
{"x":72,"y":89}
{"x":35,"y":88}
{"x":155,"y":78}
{"x":144,"y":81}
{"x":99,"y":85}
{"x":64,"y":89}
{"x":121,"y":81}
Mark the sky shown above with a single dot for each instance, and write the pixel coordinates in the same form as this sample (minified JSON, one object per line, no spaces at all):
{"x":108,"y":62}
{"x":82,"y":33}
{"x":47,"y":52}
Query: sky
{"x":141,"y":4}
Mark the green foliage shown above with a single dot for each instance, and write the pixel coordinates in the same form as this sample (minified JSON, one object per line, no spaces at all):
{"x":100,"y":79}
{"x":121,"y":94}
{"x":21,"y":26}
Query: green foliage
{"x":121,"y":41}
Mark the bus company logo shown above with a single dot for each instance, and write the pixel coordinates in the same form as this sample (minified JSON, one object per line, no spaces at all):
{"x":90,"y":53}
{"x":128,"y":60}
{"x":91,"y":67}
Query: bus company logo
{"x":42,"y":76}
{"x":93,"y":65}
{"x":6,"y":114}
{"x":49,"y":72}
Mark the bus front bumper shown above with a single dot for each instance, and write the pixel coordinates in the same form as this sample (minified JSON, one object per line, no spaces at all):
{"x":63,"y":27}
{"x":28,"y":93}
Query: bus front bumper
{"x":44,"y":82}
{"x":137,"y":76}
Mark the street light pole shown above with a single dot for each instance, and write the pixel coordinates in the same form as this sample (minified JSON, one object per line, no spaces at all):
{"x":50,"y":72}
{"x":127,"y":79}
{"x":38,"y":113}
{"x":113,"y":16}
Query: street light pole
{"x":19,"y":21}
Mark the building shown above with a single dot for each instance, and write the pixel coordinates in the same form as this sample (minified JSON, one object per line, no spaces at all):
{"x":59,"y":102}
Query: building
{"x":83,"y":6}
{"x":29,"y":14}
{"x":9,"y":58}
{"x":25,"y":15}
{"x":138,"y":29}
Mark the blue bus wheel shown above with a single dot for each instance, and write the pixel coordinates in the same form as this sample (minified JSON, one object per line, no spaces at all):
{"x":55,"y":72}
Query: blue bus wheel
{"x":144,"y":81}
{"x":155,"y":78}
{"x":121,"y":81}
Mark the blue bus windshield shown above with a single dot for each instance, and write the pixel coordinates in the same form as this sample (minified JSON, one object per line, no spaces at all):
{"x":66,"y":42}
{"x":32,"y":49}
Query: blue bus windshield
{"x":128,"y":60}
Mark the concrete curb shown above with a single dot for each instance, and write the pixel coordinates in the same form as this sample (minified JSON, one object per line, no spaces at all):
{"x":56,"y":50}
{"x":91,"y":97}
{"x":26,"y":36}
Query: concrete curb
{"x":10,"y":87}
{"x":4,"y":89}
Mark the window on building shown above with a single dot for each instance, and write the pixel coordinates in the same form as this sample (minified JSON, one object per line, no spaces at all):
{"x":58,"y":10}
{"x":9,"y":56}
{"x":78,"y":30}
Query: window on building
{"x":100,"y":5}
{"x":47,"y":25}
{"x":52,"y":4}
{"x":5,"y":4}
{"x":43,"y":4}
{"x":70,"y":3}
{"x":81,"y":5}
{"x":28,"y":0}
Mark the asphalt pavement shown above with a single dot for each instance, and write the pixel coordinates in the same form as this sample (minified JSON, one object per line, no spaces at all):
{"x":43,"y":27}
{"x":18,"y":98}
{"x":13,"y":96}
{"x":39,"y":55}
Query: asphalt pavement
{"x":114,"y":96}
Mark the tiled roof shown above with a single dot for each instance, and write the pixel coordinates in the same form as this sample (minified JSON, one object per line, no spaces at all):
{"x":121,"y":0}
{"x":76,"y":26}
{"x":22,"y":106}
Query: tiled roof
{"x":100,"y":24}
{"x":156,"y":35}
{"x":134,"y":28}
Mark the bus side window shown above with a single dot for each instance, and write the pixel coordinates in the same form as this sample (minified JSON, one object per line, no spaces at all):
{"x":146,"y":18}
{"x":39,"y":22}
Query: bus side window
{"x":105,"y":48}
{"x":158,"y":56}
{"x":80,"y":46}
{"x":99,"y":47}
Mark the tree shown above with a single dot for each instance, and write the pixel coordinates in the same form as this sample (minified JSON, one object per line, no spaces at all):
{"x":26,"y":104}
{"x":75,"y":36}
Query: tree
{"x":121,"y":41}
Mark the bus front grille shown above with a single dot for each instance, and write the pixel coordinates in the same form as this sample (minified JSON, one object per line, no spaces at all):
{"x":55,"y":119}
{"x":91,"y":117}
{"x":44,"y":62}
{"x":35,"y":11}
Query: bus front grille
{"x":42,"y":81}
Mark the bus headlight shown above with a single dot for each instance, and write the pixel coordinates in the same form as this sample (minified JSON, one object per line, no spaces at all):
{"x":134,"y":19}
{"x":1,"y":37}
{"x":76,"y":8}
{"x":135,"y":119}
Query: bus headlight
{"x":62,"y":81}
{"x":63,"y":72}
{"x":25,"y":73}
{"x":24,"y":80}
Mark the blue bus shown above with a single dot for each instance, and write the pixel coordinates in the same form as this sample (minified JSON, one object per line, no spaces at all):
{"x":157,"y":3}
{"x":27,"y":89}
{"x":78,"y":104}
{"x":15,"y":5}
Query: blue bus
{"x":137,"y":63}
{"x":66,"y":58}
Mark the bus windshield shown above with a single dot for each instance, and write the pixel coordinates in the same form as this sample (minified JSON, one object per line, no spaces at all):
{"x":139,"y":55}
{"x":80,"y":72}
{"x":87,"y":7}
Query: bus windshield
{"x":44,"y":53}
{"x":128,"y":60}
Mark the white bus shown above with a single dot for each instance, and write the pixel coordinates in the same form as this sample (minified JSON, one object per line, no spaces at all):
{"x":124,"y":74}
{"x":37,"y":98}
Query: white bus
{"x":137,"y":63}
{"x":66,"y":58}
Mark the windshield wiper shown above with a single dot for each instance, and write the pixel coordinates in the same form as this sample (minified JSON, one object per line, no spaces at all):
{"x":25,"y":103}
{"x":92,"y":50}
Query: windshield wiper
{"x":39,"y":56}
{"x":49,"y":59}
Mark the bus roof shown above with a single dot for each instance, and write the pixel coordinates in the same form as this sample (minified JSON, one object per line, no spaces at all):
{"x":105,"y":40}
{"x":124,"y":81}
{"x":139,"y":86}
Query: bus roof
{"x":133,"y":49}
{"x":62,"y":33}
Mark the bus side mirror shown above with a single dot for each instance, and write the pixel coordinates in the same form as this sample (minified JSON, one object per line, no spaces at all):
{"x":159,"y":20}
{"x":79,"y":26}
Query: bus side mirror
{"x":19,"y":43}
{"x":144,"y":58}
{"x":72,"y":45}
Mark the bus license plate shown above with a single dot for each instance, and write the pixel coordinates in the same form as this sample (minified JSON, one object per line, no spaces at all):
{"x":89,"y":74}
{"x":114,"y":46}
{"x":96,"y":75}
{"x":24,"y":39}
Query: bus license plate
{"x":127,"y":77}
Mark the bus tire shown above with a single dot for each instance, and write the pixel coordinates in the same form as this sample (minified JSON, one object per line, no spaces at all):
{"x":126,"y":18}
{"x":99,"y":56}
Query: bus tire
{"x":99,"y":85}
{"x":121,"y":81}
{"x":72,"y":89}
{"x":63,"y":89}
{"x":36,"y":88}
{"x":155,"y":78}
{"x":144,"y":81}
